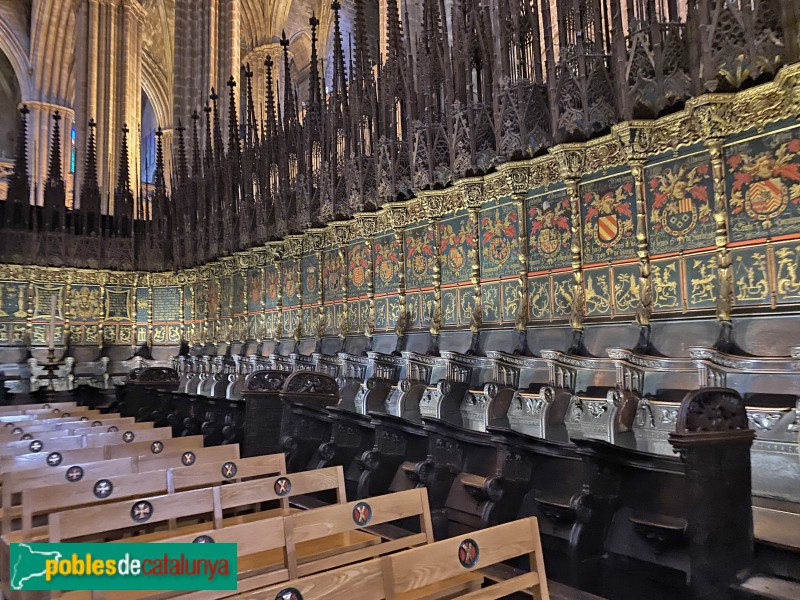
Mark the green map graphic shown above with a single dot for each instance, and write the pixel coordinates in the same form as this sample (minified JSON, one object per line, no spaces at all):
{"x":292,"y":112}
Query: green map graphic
{"x":29,"y":564}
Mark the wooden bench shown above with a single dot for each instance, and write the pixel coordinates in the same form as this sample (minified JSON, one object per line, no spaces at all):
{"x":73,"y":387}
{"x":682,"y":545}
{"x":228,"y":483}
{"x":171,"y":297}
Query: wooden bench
{"x":75,"y":428}
{"x":275,"y":549}
{"x":83,"y":440}
{"x":102,"y":521}
{"x":135,"y":448}
{"x":450,"y":568}
{"x":16,"y":409}
{"x":34,"y":427}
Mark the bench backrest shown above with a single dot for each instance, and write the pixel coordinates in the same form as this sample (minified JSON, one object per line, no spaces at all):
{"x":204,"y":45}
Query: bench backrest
{"x":83,"y":440}
{"x":107,"y":488}
{"x":450,"y":565}
{"x":74,"y":428}
{"x":7,"y":423}
{"x":168,"y":449}
{"x":427,"y":565}
{"x":106,"y":518}
{"x":19,"y":408}
{"x":35,"y":426}
{"x":333,"y":519}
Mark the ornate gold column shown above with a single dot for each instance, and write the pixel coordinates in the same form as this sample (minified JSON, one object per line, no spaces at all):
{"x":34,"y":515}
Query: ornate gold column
{"x":399,"y":217}
{"x":635,"y":143}
{"x":473,"y":198}
{"x":368,"y":225}
{"x":434,"y":209}
{"x":570,"y":159}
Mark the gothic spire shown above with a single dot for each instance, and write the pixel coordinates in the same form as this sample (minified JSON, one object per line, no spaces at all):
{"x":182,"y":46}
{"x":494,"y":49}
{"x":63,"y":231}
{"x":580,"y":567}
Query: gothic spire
{"x":234,"y":150}
{"x":55,"y":174}
{"x":219,"y":149}
{"x":123,"y":175}
{"x":314,"y":93}
{"x":270,"y":131}
{"x":183,"y":166}
{"x":339,"y":70}
{"x":209,"y":147}
{"x":159,"y":182}
{"x":19,"y":190}
{"x":252,"y":122}
{"x":289,"y":118}
{"x":196,"y":164}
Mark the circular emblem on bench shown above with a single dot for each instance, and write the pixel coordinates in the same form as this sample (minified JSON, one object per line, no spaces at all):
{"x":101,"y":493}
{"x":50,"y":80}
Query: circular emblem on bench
{"x":112,"y":429}
{"x":84,"y":418}
{"x":103,"y":488}
{"x":35,"y":446}
{"x":203,"y":539}
{"x":283,"y":486}
{"x":188,"y":459}
{"x":229,"y":470}
{"x":65,"y":414}
{"x":45,"y":406}
{"x":16,"y":430}
{"x":9,"y":425}
{"x":128,"y":437}
{"x":157,"y":447}
{"x":289,"y":594}
{"x":54,"y":459}
{"x":57,"y":410}
{"x":96,"y":423}
{"x":26,"y":436}
{"x":74,"y":473}
{"x":141,"y":511}
{"x":362,"y":513}
{"x":468,"y":553}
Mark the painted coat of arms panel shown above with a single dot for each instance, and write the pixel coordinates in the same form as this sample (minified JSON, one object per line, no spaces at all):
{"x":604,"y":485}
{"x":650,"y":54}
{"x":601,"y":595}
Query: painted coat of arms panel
{"x":420,"y":256}
{"x":763,"y":180}
{"x":291,"y":282}
{"x":311,"y":278}
{"x":359,"y":265}
{"x":387,"y":263}
{"x":456,"y":242}
{"x":255,"y":289}
{"x":549,"y":231}
{"x":225,"y":296}
{"x":608,"y":209}
{"x":499,"y":240}
{"x":333,"y":275}
{"x":680,"y":196}
{"x":272,"y":285}
{"x":85,"y":303}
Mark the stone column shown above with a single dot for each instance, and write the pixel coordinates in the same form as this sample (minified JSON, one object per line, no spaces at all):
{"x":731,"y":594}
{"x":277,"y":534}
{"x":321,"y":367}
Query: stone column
{"x":108,"y":72}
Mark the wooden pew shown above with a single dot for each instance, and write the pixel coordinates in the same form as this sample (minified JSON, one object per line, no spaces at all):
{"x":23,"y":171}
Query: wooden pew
{"x":31,"y":427}
{"x":272,"y":550}
{"x":83,"y":440}
{"x":75,"y":428}
{"x":164,"y":447}
{"x":104,"y":520}
{"x":15,"y":409}
{"x":450,"y":568}
{"x":42,"y":500}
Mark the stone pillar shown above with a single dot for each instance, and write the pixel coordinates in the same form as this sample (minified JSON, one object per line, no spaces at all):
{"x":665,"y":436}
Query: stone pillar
{"x":207,"y":53}
{"x":108,"y":72}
